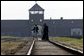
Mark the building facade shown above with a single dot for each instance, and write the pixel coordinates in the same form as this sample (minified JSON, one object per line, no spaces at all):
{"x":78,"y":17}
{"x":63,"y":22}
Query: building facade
{"x":57,"y":27}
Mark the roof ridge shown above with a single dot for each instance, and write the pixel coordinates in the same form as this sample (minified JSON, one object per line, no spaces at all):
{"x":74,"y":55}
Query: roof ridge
{"x":36,"y":7}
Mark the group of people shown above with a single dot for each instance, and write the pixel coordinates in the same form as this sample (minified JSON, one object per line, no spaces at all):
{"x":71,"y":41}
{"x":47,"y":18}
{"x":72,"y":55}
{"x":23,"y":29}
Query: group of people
{"x":44,"y":31}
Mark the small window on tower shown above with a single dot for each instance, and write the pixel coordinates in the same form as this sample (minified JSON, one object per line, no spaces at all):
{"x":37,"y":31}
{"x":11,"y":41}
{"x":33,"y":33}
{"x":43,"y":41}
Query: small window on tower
{"x":32,"y":12}
{"x":40,"y":20}
{"x":36,"y":12}
{"x":40,"y":12}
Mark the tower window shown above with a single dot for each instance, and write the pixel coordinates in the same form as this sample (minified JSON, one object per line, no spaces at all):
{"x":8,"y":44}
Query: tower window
{"x":40,"y":20}
{"x":40,"y":12}
{"x":36,"y":12}
{"x":32,"y":12}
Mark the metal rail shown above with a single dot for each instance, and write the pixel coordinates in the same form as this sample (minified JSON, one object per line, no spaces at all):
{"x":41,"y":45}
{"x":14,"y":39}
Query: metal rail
{"x":67,"y":49}
{"x":31,"y":47}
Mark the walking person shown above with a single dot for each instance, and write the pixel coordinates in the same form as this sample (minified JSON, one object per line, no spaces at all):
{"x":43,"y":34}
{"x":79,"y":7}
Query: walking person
{"x":35,"y":31}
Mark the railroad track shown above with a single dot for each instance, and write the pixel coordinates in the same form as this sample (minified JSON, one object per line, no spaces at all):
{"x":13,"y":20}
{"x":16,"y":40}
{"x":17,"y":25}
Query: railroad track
{"x":40,"y":47}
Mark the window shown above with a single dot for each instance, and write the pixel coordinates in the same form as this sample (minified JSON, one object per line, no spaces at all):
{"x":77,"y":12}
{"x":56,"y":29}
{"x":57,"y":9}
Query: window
{"x":32,"y":12}
{"x":76,"y":31}
{"x":40,"y":20}
{"x":40,"y":12}
{"x":36,"y":12}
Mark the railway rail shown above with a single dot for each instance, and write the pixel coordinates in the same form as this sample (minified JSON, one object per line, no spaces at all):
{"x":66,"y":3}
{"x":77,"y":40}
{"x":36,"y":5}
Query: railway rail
{"x":40,"y":47}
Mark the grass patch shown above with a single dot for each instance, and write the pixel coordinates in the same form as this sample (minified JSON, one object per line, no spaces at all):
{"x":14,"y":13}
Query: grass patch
{"x":73,"y":42}
{"x":10,"y":47}
{"x":8,"y":37}
{"x":10,"y":44}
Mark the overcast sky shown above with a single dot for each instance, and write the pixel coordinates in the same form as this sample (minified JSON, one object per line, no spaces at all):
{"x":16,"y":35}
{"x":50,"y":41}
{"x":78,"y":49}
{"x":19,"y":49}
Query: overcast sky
{"x":18,"y":10}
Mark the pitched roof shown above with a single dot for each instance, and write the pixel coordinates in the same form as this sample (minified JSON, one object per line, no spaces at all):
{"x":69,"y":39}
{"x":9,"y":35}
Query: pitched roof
{"x":36,"y":7}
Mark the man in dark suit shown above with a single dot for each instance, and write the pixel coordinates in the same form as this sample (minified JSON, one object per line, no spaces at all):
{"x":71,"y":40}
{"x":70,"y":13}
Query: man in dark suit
{"x":45,"y":32}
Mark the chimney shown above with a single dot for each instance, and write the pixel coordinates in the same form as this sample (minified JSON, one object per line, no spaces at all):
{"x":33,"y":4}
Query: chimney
{"x":61,"y":18}
{"x":50,"y":18}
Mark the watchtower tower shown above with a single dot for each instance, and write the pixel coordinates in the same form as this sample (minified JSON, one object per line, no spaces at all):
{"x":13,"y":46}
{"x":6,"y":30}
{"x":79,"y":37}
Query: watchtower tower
{"x":36,"y":15}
